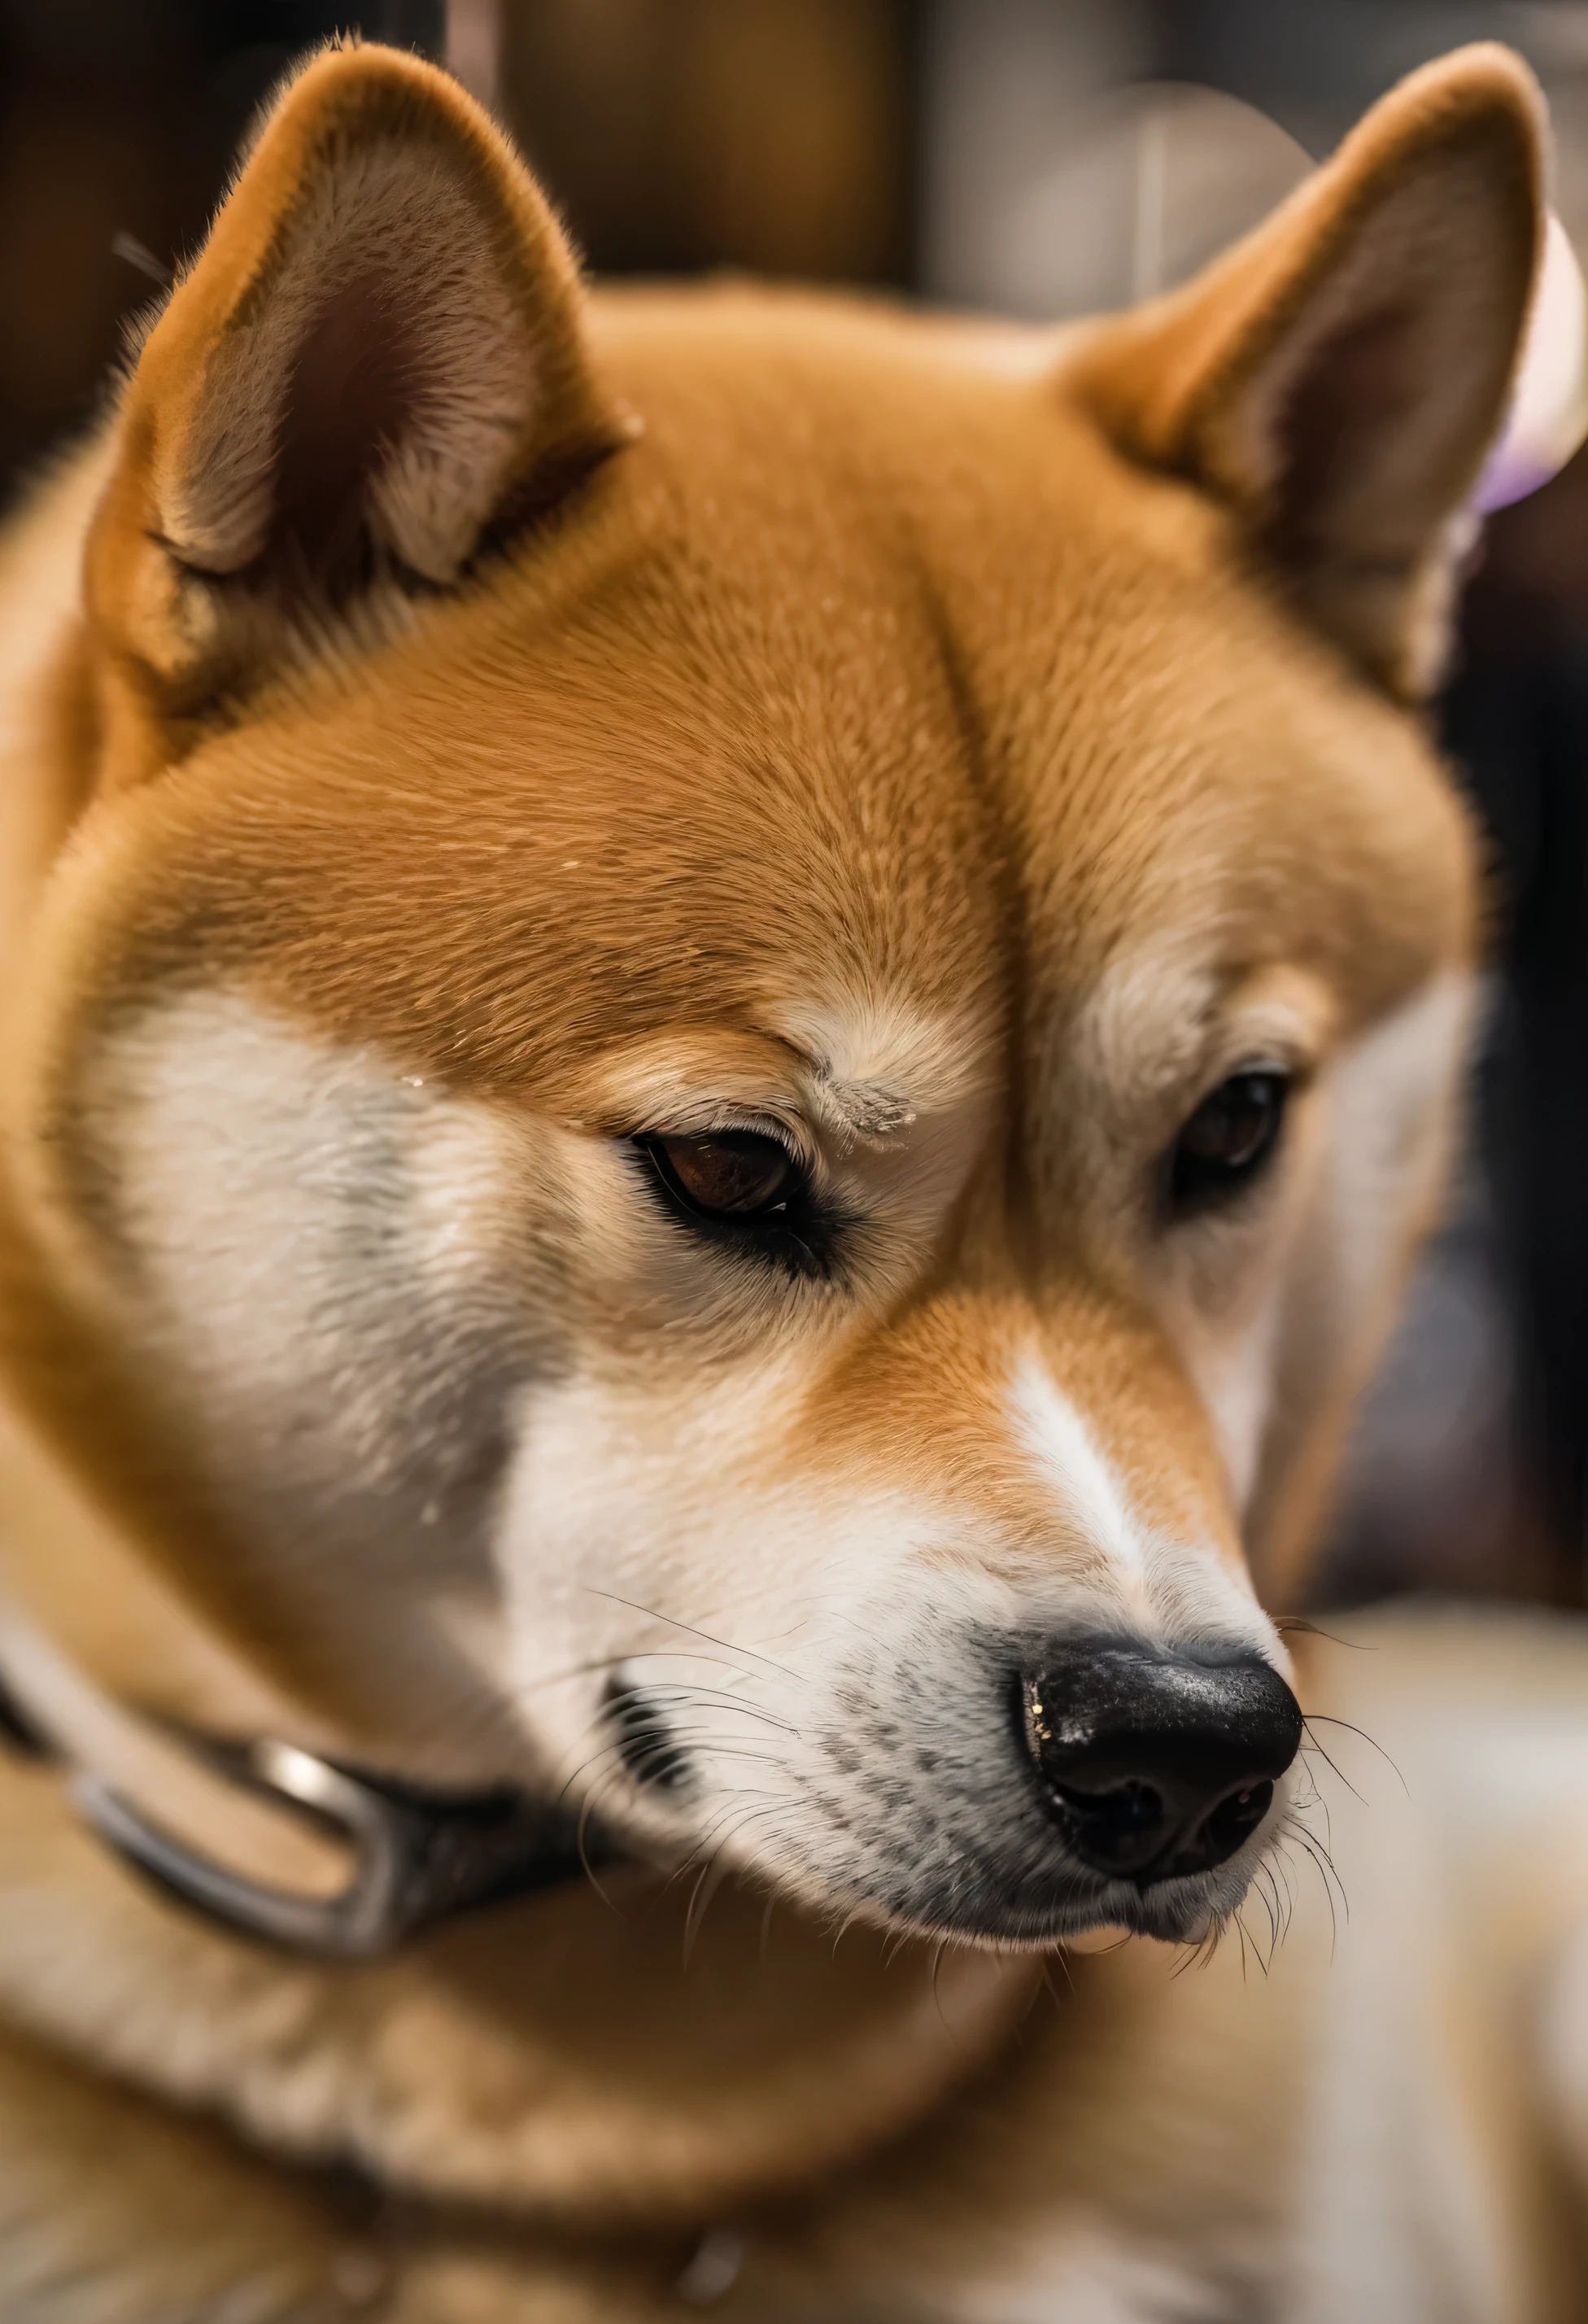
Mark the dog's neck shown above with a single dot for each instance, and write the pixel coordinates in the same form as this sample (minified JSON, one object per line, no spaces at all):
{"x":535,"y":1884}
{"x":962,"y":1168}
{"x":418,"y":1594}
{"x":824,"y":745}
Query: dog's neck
{"x":633,"y":2049}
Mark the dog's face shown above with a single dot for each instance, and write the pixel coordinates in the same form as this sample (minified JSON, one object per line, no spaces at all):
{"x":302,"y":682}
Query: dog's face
{"x":722,"y":1108}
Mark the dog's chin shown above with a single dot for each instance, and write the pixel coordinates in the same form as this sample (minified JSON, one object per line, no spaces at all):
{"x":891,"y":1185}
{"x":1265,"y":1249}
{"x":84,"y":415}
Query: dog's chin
{"x":1076,"y":1905}
{"x":1028,"y":1894}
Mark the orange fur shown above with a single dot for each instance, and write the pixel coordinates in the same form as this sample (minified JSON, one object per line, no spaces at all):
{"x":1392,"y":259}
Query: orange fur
{"x":572,"y":717}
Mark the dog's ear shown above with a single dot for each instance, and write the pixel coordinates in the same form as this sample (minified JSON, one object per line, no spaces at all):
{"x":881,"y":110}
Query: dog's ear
{"x":1339,"y":377}
{"x":374,"y":368}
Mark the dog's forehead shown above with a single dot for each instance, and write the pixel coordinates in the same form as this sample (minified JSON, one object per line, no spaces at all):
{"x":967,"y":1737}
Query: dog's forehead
{"x":865,"y":689}
{"x":1158,"y":758}
{"x":510,"y":844}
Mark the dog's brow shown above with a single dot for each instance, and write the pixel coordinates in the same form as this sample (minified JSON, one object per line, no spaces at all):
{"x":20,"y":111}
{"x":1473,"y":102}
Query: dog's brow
{"x":875,"y":1064}
{"x":865,"y":1110}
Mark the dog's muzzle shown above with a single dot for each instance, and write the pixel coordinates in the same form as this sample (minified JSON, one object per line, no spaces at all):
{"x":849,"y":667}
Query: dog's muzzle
{"x":1156,"y":1767}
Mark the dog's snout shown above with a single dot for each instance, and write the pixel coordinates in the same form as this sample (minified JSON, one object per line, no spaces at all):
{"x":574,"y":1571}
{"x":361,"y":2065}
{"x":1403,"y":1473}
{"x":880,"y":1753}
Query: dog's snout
{"x":1157,"y":1765}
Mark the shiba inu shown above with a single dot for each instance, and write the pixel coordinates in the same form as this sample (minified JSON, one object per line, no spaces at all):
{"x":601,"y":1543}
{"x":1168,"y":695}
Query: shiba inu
{"x":727,"y":1019}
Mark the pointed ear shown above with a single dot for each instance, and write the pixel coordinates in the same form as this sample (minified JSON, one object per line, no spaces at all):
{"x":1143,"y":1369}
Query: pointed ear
{"x":374,"y":369}
{"x":1338,"y":377}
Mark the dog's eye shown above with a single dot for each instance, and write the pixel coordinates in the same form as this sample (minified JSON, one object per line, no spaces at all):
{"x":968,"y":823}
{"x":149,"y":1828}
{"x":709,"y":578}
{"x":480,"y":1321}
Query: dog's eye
{"x":1228,"y":1139}
{"x":732,"y":1174}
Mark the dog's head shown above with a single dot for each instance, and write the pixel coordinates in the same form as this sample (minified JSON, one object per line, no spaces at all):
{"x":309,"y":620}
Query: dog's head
{"x":732,"y":1069}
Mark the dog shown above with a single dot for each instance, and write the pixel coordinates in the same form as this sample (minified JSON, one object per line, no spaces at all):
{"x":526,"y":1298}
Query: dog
{"x":729,"y":1018}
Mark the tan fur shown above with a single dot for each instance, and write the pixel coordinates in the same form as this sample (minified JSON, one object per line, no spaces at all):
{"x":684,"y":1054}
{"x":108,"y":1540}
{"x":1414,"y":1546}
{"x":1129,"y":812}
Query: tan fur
{"x":495,"y":724}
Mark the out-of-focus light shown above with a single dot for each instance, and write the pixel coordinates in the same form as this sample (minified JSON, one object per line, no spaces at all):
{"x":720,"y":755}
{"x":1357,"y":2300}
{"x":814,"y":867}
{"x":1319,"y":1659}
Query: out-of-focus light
{"x":473,"y":45}
{"x":1549,"y":417}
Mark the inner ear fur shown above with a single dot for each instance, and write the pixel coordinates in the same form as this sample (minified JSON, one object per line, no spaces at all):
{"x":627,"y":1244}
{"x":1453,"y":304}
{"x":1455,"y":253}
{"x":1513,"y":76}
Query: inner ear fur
{"x":1338,"y":377}
{"x":374,"y":369}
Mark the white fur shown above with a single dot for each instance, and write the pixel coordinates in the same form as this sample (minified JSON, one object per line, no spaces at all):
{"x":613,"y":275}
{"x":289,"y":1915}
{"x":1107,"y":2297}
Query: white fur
{"x":1084,"y":1486}
{"x":1167,"y":1591}
{"x":1312,"y":1289}
{"x":349,"y":1274}
{"x":1088,"y":2273}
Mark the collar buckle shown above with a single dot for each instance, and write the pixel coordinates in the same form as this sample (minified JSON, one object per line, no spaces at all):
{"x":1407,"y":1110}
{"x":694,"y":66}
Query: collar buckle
{"x":372,"y":1860}
{"x":417,"y":1857}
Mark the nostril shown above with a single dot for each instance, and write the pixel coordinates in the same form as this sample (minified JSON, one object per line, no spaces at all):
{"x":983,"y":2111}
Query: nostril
{"x":1156,"y":1767}
{"x":1235,"y":1820}
{"x":1118,"y":1829}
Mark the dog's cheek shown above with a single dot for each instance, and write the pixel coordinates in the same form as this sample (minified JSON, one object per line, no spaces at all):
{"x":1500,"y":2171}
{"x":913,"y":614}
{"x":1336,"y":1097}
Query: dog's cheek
{"x":1278,"y":1313}
{"x":347,"y":1280}
{"x":697,"y":1647}
{"x":1390,"y":1121}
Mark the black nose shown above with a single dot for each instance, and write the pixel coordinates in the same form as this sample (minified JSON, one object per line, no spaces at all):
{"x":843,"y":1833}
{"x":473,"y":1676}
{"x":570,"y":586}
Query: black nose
{"x":1157,"y":1765}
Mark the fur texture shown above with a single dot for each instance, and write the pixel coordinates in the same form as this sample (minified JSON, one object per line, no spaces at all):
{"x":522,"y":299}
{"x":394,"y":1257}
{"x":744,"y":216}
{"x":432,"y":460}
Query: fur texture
{"x":497,"y":730}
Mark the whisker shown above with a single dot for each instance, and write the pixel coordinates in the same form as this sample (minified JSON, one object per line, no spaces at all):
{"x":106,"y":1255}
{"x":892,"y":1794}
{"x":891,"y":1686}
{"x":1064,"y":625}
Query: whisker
{"x":574,"y":1671}
{"x":746,"y":1654}
{"x":1322,"y":1718}
{"x":1246,"y":1947}
{"x":1269,"y":1903}
{"x":724,"y":1829}
{"x":582,"y":1842}
{"x":714,"y":1872}
{"x":1062,"y":1958}
{"x":1313,"y":1745}
{"x":1330,"y":1878}
{"x":670,"y":1690}
{"x":1200,"y":1954}
{"x":1286,"y":1623}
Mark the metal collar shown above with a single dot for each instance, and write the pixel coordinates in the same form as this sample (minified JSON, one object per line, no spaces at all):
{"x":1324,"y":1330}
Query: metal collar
{"x":275,"y":1842}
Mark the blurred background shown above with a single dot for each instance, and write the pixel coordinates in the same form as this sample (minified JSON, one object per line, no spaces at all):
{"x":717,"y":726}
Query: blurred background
{"x":1043,"y":158}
